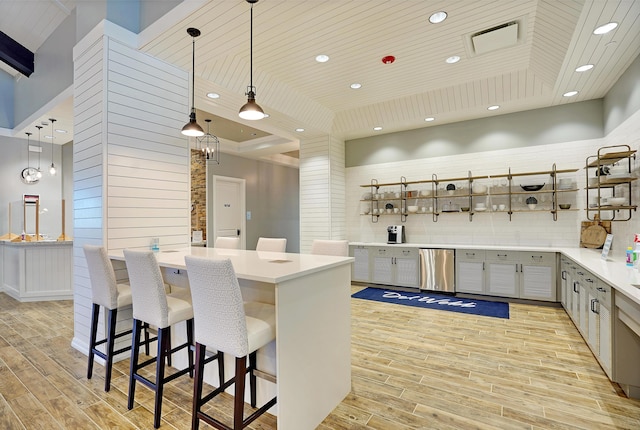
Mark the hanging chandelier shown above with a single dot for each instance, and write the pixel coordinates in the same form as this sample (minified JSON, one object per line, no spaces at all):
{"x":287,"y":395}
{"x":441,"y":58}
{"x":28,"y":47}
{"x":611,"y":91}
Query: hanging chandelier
{"x":251,"y":110}
{"x":192,"y":128}
{"x":209,"y":145}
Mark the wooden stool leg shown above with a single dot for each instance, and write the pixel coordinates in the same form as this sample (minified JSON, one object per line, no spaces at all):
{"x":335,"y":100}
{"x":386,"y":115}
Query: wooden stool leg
{"x":111,"y":335}
{"x":133,"y":367}
{"x":164,"y":338}
{"x":190,"y":343}
{"x":197,"y":386}
{"x":252,"y":378}
{"x":92,"y":338}
{"x":238,"y":401}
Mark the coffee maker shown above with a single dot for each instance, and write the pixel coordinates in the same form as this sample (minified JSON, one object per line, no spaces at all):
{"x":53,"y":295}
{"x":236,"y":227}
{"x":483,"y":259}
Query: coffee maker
{"x":395,"y":234}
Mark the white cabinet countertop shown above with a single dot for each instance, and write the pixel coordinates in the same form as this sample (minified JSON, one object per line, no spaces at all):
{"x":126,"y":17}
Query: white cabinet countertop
{"x":614,"y":271}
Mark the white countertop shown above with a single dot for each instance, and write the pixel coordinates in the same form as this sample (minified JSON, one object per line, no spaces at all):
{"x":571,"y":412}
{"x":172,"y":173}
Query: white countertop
{"x":261,"y":266}
{"x":614,"y":271}
{"x":37,"y":242}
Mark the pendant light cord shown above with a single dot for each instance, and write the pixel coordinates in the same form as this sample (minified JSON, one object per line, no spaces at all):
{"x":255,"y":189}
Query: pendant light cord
{"x":251,"y":51}
{"x":193,"y":74}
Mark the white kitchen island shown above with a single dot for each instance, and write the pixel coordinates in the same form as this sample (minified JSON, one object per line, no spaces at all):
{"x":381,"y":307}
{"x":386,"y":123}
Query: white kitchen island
{"x":312,"y":352}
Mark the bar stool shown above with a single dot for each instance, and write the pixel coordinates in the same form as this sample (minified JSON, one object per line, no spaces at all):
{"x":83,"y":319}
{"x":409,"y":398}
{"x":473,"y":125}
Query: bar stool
{"x":105,"y":292}
{"x":338,"y":248}
{"x":152,"y":305}
{"x":226,"y":324}
{"x":271,"y":244}
{"x":227,"y":242}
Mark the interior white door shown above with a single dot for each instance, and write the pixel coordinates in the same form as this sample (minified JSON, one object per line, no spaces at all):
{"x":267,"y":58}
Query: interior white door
{"x":228,"y":203}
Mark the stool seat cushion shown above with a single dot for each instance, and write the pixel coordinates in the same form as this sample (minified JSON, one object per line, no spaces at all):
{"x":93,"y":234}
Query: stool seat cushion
{"x":124,"y":295}
{"x":261,"y":324}
{"x":179,"y":310}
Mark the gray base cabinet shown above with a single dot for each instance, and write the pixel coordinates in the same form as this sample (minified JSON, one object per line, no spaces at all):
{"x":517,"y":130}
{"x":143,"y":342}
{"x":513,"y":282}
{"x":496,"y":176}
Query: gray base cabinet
{"x":589,"y":301}
{"x":386,"y":265}
{"x":517,"y":274}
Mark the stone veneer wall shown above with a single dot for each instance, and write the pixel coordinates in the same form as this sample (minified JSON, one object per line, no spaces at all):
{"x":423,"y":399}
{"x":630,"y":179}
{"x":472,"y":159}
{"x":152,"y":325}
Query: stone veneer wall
{"x":199,"y":192}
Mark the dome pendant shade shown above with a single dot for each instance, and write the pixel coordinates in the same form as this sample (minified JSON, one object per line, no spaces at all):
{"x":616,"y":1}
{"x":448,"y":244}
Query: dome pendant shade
{"x":192,"y":128}
{"x":251,"y":110}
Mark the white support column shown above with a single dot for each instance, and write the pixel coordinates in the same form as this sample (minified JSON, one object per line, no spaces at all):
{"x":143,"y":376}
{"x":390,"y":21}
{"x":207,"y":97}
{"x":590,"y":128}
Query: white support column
{"x":322,"y":190}
{"x":130,"y":162}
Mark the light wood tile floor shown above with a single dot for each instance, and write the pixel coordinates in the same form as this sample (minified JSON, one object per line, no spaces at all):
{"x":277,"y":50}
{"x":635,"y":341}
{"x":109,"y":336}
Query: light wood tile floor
{"x":411,"y":369}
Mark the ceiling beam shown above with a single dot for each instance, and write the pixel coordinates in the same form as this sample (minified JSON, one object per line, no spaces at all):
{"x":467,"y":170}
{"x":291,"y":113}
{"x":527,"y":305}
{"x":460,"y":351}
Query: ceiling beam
{"x":16,"y":55}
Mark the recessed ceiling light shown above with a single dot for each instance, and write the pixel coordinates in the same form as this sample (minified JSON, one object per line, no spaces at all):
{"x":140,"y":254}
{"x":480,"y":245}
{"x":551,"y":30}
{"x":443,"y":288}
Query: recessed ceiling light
{"x":355,"y":86}
{"x":604,"y":29}
{"x":453,"y":59}
{"x":438,"y":17}
{"x":213,"y":95}
{"x":494,"y":107}
{"x":377,"y":128}
{"x":299,"y":130}
{"x":59,"y":130}
{"x":49,"y":137}
{"x":584,"y":68}
{"x":429,"y":119}
{"x":570,"y":93}
{"x":322,"y":58}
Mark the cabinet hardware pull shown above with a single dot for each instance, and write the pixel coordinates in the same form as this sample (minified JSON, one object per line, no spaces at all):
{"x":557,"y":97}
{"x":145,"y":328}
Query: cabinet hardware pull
{"x":502,"y":255}
{"x":470,"y":254}
{"x":580,"y":273}
{"x":538,"y":257}
{"x":575,"y":283}
{"x":589,"y":280}
{"x":563,"y":275}
{"x":602,"y":290}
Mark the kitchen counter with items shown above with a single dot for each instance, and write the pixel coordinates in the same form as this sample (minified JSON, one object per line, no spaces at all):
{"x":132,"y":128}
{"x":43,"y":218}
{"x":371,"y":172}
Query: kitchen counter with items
{"x":614,"y":270}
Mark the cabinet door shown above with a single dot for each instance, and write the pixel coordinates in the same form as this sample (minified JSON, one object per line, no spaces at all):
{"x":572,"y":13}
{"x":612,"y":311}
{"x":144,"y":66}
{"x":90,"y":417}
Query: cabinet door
{"x":502,"y":279}
{"x":584,"y":310}
{"x":575,"y":302}
{"x":470,"y":277}
{"x":605,"y":346}
{"x":593,"y":321}
{"x":360,"y":270}
{"x":564,"y":280}
{"x":407,"y":272}
{"x":537,"y":283}
{"x":382,"y":270}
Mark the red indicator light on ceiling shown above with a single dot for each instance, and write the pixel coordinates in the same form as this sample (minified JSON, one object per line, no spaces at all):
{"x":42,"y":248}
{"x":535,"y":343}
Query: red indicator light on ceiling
{"x":388,"y":59}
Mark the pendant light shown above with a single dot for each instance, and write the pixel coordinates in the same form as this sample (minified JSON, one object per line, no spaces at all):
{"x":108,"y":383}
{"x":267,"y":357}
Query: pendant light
{"x":28,"y":174}
{"x":52,"y":169}
{"x":39,"y":172}
{"x":192,"y":128}
{"x":210,"y":145}
{"x":251,"y":110}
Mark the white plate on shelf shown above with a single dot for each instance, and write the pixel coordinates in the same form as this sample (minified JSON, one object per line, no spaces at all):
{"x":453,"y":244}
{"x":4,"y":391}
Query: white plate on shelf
{"x":479,"y":209}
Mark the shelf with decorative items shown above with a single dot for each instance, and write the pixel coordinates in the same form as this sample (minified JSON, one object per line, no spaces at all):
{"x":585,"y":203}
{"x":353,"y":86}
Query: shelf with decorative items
{"x":476,"y":194}
{"x":609,"y":190}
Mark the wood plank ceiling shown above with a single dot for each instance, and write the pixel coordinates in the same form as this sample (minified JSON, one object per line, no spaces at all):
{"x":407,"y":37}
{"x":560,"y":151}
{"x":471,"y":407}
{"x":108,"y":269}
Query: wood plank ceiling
{"x":554,"y":37}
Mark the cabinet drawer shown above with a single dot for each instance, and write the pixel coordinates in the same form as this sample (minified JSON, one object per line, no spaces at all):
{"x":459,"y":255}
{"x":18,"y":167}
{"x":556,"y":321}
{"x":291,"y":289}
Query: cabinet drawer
{"x":503,"y":256}
{"x":470,"y":254}
{"x":533,"y":258}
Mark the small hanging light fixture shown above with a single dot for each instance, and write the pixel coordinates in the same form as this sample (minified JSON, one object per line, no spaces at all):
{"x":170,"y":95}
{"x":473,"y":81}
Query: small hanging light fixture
{"x":39,"y":172}
{"x":251,"y":110}
{"x":52,"y":169}
{"x":210,"y":145}
{"x":28,"y":174}
{"x":192,"y":128}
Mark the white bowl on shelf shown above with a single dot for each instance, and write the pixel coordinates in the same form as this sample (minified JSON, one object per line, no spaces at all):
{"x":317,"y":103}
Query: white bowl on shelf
{"x":412,"y":209}
{"x":532,"y":206}
{"x":478,"y":189}
{"x":616,"y":201}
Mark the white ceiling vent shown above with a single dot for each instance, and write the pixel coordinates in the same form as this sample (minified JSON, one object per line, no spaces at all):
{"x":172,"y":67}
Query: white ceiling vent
{"x":492,"y":39}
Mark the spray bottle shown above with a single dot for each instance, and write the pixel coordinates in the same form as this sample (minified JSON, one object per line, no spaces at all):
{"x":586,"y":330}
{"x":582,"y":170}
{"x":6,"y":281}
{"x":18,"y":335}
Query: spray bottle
{"x":636,"y":251}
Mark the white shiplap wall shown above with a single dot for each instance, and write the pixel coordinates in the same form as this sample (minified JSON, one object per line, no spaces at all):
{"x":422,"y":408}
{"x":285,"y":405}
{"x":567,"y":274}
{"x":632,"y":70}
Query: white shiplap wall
{"x":532,"y":229}
{"x":131,"y":164}
{"x":322,"y":190}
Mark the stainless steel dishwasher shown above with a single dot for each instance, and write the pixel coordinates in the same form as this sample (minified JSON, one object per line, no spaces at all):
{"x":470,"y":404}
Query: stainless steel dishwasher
{"x":437,"y":270}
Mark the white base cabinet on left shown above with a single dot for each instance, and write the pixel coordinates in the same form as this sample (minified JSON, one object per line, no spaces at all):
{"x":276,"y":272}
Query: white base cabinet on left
{"x":386,"y":265}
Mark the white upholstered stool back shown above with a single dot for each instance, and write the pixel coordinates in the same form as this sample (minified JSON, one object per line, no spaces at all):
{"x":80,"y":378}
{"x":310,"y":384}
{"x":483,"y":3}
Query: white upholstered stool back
{"x":338,"y":248}
{"x":150,"y":301}
{"x":227,"y":242}
{"x":271,"y":244}
{"x":105,"y":291}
